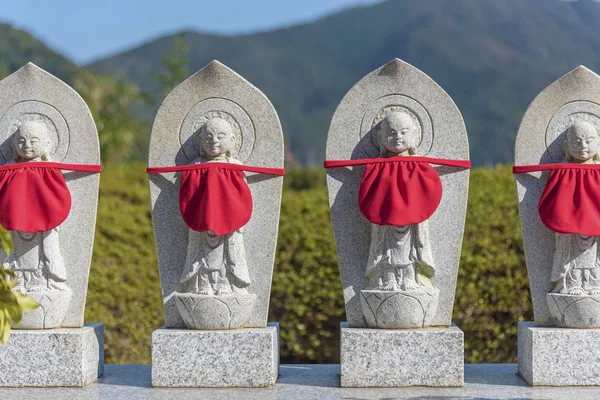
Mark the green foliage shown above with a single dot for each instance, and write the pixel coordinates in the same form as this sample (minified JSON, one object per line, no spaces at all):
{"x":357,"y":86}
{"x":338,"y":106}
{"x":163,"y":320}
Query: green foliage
{"x":492,"y":294}
{"x":304,"y":178}
{"x":175,"y":65}
{"x":12,"y":304}
{"x":124,"y":288}
{"x":124,"y":292}
{"x":112,"y":106}
{"x":306,"y":297}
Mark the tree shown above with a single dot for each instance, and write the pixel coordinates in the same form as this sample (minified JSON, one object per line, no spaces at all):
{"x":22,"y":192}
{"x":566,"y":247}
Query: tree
{"x":112,"y":105}
{"x":175,"y":65}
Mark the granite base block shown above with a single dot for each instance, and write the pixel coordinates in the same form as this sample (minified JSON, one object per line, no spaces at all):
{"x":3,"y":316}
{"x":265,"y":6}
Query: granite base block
{"x":402,"y":357}
{"x":246,"y":357}
{"x":64,"y":357}
{"x":552,"y":356}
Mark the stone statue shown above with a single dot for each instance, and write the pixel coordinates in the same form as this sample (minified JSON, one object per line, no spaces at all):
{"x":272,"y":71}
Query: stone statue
{"x":215,"y":264}
{"x":400,"y":256}
{"x":36,"y":259}
{"x":576,"y":269}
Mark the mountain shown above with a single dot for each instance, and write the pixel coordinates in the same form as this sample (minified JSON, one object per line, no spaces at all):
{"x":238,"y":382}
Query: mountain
{"x":491,"y":56}
{"x":18,"y":47}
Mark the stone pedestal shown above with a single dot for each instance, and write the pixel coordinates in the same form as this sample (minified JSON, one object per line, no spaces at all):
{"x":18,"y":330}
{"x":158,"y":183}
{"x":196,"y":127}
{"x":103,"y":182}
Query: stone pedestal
{"x":551,"y":356}
{"x":221,"y":358}
{"x":402,"y":357}
{"x":64,"y":357}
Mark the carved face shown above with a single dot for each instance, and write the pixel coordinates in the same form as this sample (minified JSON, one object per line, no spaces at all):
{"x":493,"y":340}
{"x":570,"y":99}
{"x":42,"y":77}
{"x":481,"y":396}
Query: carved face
{"x":398,"y":133}
{"x":583,"y":141}
{"x":216,"y":137}
{"x":31,"y":140}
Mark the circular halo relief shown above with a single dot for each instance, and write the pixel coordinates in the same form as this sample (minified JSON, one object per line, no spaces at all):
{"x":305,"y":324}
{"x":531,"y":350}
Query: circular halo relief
{"x":383,"y":106}
{"x":218,"y":108}
{"x":58,"y":130}
{"x":556,"y":132}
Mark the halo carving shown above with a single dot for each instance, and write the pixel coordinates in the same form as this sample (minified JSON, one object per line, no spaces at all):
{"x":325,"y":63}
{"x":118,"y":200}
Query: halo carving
{"x":556,"y":132}
{"x":218,"y":108}
{"x":32,"y":110}
{"x":383,"y":106}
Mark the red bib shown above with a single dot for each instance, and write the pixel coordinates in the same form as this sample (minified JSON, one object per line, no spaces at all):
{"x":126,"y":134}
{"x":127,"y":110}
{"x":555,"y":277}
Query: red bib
{"x":34,"y":196}
{"x":399,"y":190}
{"x":215,"y":196}
{"x":570,"y":202}
{"x":215,"y":199}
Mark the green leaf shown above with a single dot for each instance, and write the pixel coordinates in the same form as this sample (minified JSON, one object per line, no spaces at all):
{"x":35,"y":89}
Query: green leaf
{"x":4,"y":327}
{"x":25,"y":302}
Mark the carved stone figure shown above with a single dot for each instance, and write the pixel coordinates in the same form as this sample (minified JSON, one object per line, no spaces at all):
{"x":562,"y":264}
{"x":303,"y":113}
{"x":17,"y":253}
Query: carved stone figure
{"x":576,"y":268}
{"x":215,"y":264}
{"x":399,"y":256}
{"x":215,"y":143}
{"x":396,"y":159}
{"x":37,"y":259}
{"x":556,"y":156}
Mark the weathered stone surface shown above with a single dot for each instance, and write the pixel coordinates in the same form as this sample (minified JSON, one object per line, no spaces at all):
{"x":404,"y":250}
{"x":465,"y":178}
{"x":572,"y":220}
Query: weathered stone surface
{"x":540,"y":140}
{"x":397,"y":85}
{"x":219,"y":358}
{"x":215,"y":312}
{"x":218,"y":91}
{"x":402,"y":357}
{"x":50,"y":313}
{"x":572,"y":311}
{"x":53,"y":357}
{"x":33,"y":94}
{"x":408,"y":309}
{"x":549,"y":356}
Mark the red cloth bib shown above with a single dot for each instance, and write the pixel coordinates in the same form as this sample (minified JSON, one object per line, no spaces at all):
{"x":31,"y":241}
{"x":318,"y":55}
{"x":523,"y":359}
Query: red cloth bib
{"x":570,"y":202}
{"x":215,"y":196}
{"x":34,"y":196}
{"x":399,"y":190}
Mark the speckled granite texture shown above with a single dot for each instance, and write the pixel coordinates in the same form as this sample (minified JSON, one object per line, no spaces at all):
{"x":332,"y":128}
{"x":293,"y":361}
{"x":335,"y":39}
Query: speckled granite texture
{"x":53,"y":357}
{"x":225,"y":358}
{"x":551,"y":356}
{"x":402,"y":357}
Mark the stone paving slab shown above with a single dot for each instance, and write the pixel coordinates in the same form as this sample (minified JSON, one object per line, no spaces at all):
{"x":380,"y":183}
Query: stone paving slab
{"x":482,"y":381}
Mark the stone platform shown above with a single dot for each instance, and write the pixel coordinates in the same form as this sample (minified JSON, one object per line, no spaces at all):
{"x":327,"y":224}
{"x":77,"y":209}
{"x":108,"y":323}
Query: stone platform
{"x":402,"y":357}
{"x":53,"y":357}
{"x":550,"y":356}
{"x":482,"y":381}
{"x":246,"y":357}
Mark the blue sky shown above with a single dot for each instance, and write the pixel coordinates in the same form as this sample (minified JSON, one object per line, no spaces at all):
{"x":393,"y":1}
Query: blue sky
{"x":85,"y":30}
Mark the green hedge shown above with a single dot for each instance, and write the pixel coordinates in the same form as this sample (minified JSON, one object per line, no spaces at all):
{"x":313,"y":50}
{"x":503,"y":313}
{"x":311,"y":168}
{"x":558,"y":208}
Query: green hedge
{"x":492,"y":293}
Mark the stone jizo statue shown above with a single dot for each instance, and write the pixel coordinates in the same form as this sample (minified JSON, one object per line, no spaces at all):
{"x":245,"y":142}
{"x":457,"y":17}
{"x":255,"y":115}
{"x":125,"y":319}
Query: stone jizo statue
{"x":576,"y":268}
{"x":36,"y":259}
{"x":215,"y":264}
{"x":399,"y":256}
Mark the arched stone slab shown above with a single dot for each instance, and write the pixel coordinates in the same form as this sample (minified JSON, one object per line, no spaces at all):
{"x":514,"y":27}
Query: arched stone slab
{"x":31,"y":91}
{"x":443,"y":135}
{"x":216,"y":90}
{"x":574,"y":96}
